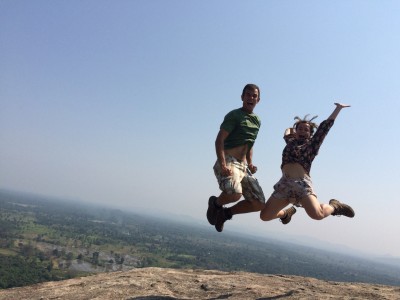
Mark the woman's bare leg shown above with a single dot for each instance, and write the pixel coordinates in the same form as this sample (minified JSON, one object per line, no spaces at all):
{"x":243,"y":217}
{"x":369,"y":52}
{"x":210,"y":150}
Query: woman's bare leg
{"x":314,"y":209}
{"x":273,"y":209}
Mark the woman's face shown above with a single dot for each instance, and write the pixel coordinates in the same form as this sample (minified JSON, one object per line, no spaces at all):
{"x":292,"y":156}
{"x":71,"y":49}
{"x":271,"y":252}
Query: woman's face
{"x":303,"y":131}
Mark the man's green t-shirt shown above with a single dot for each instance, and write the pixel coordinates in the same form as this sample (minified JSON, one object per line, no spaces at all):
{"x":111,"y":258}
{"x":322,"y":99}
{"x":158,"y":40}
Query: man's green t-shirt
{"x":242,"y":127}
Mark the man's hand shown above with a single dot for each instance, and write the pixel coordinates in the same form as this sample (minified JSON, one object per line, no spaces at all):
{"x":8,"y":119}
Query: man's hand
{"x":252,"y":168}
{"x":226,"y":171}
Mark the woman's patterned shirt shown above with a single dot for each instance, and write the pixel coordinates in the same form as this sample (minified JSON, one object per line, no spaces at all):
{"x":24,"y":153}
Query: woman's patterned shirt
{"x":303,"y":151}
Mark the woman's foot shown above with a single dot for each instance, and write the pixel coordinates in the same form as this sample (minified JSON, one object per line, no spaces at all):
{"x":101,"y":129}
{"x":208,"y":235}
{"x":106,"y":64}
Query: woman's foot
{"x":341,"y":209}
{"x":289,"y":212}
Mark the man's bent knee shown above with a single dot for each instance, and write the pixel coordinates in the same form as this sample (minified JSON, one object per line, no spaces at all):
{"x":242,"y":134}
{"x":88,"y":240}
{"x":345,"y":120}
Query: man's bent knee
{"x":257,"y":205}
{"x":235,"y":197}
{"x":229,"y":198}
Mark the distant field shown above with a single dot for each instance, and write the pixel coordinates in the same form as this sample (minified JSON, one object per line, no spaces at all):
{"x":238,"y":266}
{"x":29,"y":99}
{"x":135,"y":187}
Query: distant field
{"x":53,"y":240}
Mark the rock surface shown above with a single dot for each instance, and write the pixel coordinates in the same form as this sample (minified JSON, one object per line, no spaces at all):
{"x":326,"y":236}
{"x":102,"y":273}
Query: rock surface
{"x":163,"y":284}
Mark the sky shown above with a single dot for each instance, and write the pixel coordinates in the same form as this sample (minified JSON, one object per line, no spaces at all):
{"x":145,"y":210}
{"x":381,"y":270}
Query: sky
{"x":119,"y":103}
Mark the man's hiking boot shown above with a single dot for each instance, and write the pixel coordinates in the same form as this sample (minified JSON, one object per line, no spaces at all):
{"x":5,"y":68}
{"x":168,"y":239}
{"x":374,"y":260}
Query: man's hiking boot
{"x":289,"y":212}
{"x":212,"y":210}
{"x":222,"y":215}
{"x":341,"y":209}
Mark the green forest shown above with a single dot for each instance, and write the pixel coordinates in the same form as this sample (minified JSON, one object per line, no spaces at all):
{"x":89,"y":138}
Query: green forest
{"x":44,"y":239}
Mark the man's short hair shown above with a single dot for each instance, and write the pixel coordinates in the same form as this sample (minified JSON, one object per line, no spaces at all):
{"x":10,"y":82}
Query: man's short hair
{"x":252,"y":86}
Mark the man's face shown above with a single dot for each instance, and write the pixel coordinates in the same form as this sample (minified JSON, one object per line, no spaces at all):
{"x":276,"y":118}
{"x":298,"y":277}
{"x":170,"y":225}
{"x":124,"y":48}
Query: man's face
{"x":250,"y":99}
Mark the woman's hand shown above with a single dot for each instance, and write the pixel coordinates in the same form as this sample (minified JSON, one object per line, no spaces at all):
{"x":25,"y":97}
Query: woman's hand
{"x":338,"y":108}
{"x":340,"y":105}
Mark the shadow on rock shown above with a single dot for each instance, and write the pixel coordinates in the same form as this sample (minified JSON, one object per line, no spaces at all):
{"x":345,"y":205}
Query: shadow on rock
{"x":155,"y":298}
{"x":277,"y":297}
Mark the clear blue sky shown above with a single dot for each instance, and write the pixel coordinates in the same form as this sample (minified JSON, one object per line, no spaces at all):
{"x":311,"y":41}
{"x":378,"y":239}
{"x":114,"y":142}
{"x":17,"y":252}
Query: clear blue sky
{"x":119,"y":103}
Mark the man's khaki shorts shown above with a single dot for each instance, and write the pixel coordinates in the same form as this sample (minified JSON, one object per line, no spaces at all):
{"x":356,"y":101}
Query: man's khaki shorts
{"x":240,"y":182}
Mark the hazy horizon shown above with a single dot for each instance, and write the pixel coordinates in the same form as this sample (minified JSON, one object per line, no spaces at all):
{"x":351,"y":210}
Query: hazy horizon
{"x":298,"y":239}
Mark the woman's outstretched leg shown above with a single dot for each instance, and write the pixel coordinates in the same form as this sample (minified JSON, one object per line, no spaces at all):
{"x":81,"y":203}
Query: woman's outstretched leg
{"x":318,"y":211}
